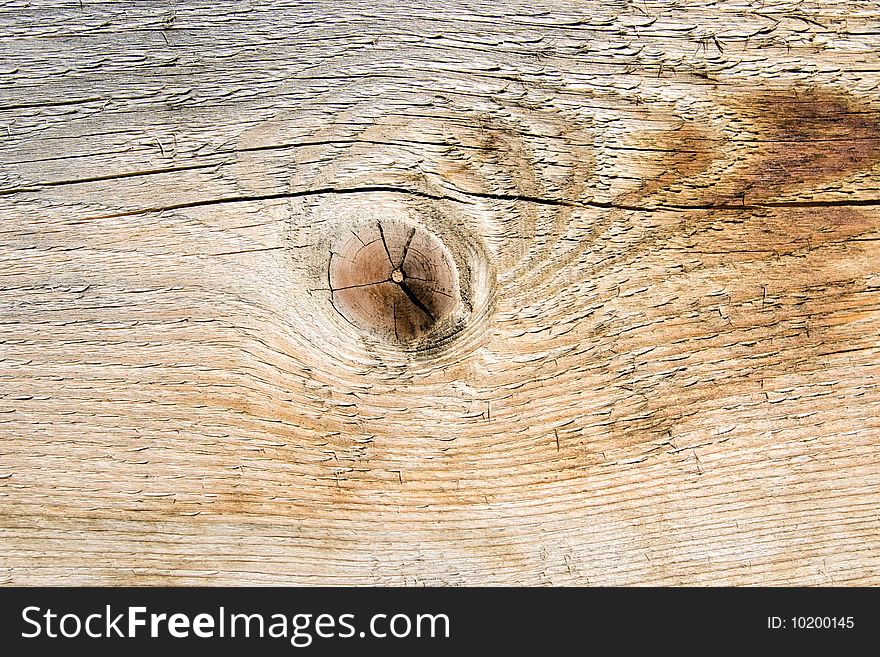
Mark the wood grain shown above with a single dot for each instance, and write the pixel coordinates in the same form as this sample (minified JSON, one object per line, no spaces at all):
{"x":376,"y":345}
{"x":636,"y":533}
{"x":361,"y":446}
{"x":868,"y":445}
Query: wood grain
{"x":662,"y":222}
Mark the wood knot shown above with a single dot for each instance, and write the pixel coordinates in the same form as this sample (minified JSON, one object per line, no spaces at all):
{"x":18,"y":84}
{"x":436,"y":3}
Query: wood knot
{"x":394,"y":280}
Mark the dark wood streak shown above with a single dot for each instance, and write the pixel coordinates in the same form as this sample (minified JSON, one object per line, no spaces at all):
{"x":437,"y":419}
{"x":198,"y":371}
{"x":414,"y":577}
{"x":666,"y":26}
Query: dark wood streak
{"x":797,"y":141}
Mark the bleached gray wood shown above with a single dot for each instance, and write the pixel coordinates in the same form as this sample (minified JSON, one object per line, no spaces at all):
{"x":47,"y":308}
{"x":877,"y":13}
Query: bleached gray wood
{"x":665,"y":219}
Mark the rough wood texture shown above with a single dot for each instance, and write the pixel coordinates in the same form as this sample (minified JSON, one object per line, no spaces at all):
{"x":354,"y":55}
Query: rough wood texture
{"x":663,"y":363}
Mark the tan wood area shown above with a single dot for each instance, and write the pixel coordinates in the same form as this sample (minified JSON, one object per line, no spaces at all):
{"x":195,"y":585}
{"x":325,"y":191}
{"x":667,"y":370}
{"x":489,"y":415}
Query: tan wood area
{"x":646,"y":345}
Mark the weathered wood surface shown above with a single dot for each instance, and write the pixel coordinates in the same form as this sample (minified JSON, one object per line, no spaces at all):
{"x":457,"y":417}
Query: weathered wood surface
{"x":664,"y":366}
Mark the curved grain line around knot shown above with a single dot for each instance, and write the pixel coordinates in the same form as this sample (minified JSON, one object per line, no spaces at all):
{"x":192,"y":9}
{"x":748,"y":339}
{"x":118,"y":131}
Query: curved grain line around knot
{"x":504,"y":155}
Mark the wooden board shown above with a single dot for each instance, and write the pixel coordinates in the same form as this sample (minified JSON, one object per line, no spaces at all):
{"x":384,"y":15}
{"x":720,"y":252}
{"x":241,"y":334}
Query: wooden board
{"x":661,"y":366}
